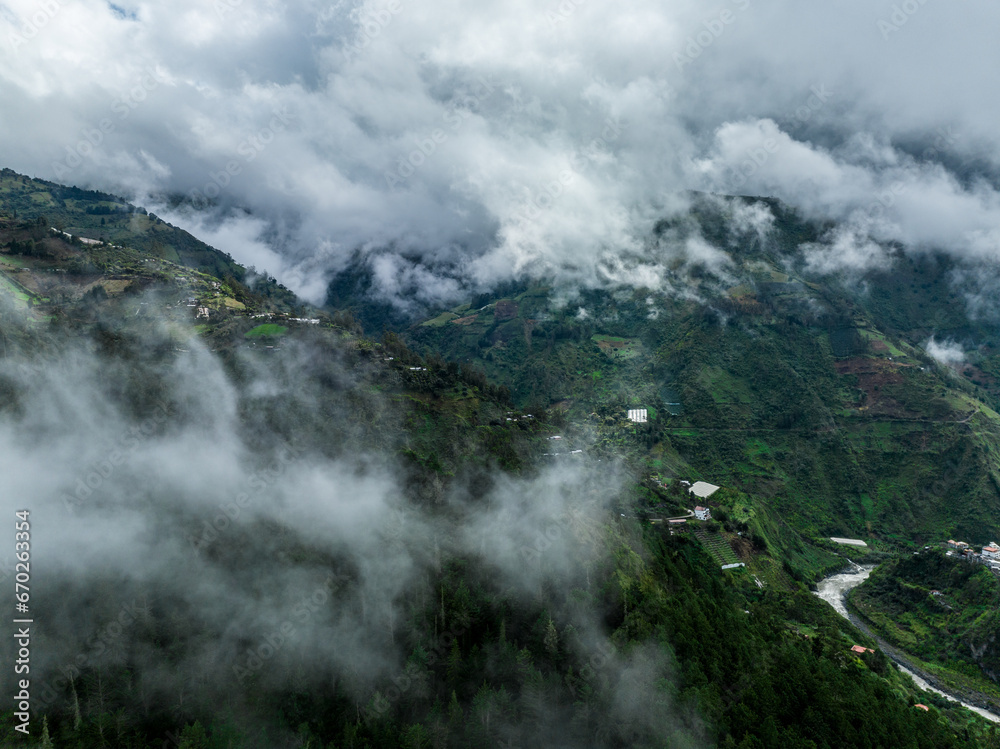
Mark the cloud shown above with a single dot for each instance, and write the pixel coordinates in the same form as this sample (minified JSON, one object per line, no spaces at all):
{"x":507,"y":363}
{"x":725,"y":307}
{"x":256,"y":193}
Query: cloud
{"x":948,"y":353}
{"x":203,"y":523}
{"x":512,"y":138}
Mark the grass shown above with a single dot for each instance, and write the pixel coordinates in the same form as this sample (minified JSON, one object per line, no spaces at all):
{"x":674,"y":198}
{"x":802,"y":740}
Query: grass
{"x":441,"y":320}
{"x":616,"y":347}
{"x":874,"y":335}
{"x":266,"y":330}
{"x":13,"y":289}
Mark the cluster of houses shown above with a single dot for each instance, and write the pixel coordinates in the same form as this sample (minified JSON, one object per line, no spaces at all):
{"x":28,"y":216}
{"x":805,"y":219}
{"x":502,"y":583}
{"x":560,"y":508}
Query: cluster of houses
{"x":989,"y":555}
{"x":701,"y":490}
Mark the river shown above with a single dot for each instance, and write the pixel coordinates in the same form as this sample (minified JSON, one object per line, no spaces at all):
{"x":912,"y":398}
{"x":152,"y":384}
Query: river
{"x":833,"y":589}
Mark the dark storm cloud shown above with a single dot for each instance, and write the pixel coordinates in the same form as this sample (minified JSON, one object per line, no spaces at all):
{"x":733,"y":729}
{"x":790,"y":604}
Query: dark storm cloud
{"x":479,"y":142}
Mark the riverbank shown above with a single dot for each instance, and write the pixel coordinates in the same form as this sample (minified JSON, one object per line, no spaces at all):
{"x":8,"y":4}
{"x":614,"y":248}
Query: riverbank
{"x":834,"y":590}
{"x":968,"y":697}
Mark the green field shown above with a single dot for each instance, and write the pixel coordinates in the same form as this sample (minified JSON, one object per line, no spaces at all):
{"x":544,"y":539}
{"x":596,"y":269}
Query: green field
{"x":14,"y":290}
{"x":266,"y":330}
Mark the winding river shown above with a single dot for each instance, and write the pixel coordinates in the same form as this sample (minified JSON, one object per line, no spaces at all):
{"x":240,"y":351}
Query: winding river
{"x":833,"y":589}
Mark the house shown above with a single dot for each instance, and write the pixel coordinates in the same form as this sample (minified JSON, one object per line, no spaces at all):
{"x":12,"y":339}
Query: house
{"x":860,"y":650}
{"x":923,"y":707}
{"x":703,"y":489}
{"x":702,"y":513}
{"x":991,"y":552}
{"x":677,"y":521}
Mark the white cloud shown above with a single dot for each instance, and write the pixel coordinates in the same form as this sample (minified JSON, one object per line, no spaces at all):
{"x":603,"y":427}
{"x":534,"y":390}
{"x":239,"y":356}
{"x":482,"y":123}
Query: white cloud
{"x":476,"y":113}
{"x":945,"y":352}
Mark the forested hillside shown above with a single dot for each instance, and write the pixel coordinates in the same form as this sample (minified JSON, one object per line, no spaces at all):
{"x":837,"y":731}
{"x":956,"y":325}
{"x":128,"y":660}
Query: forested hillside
{"x":261,"y":525}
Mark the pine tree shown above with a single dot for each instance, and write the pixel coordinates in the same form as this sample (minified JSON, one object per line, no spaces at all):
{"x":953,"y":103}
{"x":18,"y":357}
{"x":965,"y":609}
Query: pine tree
{"x":77,"y":719}
{"x":551,"y":638}
{"x":46,"y":740}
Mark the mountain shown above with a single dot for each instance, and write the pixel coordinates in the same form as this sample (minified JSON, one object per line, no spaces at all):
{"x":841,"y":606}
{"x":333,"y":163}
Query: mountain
{"x":816,"y":394}
{"x":941,"y":608}
{"x":123,"y":239}
{"x":255,"y":525}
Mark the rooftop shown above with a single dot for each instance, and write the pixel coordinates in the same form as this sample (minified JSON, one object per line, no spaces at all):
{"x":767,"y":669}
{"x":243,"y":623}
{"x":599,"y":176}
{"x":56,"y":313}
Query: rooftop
{"x":848,"y":541}
{"x":703,"y":489}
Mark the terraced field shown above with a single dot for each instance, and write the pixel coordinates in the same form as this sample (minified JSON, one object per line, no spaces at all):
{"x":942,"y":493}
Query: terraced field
{"x":716,"y":545}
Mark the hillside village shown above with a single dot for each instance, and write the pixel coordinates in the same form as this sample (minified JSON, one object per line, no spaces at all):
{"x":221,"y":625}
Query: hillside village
{"x":988,"y":555}
{"x":49,"y":273}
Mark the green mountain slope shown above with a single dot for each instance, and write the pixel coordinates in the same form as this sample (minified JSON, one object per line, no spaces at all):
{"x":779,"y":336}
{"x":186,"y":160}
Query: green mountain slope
{"x":99,"y":216}
{"x":547,"y":597}
{"x":814,"y":397}
{"x":941,"y":609}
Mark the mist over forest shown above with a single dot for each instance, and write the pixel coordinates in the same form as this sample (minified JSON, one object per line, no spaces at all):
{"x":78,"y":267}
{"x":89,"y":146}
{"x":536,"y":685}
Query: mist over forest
{"x":377,"y":374}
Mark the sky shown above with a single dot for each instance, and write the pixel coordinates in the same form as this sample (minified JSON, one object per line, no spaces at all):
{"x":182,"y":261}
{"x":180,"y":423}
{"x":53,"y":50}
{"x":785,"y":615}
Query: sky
{"x":451,"y":146}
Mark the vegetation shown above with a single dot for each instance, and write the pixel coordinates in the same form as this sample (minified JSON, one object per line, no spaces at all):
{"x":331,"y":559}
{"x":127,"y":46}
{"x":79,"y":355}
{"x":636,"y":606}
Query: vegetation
{"x":944,"y":610}
{"x":266,"y":330}
{"x":814,"y":399}
{"x":778,"y":389}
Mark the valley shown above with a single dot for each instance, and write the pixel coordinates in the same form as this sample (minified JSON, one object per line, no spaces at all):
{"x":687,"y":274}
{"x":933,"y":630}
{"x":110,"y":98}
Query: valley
{"x":523,"y":456}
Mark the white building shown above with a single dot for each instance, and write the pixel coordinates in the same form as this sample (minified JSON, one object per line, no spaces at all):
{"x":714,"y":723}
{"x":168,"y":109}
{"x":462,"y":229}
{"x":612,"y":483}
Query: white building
{"x":638,"y":415}
{"x":848,"y":541}
{"x":991,"y":552}
{"x":702,"y":513}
